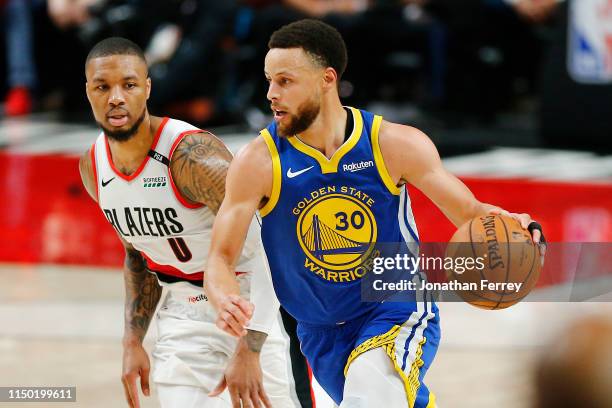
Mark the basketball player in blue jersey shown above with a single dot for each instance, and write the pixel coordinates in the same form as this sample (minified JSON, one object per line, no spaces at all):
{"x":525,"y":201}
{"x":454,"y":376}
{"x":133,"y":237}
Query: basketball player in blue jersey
{"x":159,"y":183}
{"x":329,"y":181}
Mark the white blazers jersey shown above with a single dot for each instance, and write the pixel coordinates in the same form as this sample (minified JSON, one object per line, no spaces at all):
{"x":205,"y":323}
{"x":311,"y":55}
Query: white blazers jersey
{"x":148,"y":211}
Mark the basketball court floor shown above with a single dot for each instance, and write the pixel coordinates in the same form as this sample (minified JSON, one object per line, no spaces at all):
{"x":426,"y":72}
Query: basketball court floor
{"x":61,"y":324}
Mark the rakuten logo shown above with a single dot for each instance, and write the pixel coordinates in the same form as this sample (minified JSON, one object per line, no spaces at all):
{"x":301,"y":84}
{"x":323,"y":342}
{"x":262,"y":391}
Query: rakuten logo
{"x":353,"y":167}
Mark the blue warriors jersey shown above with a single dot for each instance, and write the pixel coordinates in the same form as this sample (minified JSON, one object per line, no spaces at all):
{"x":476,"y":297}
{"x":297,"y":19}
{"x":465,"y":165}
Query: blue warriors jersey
{"x":324,"y":217}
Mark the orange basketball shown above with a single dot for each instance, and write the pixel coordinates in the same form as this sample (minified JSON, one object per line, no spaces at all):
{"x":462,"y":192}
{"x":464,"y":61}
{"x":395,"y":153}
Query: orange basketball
{"x":507,"y":262}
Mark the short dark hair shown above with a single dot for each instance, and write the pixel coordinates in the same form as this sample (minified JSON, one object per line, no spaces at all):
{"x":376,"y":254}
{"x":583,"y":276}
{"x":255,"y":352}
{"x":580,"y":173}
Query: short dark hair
{"x":322,"y":41}
{"x":115,"y":46}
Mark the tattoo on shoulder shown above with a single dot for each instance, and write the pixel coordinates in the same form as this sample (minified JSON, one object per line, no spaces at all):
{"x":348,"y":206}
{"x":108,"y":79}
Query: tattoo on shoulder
{"x":255,"y":340}
{"x":199,"y":167}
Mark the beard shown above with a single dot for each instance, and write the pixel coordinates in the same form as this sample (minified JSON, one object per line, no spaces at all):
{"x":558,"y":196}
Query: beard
{"x":124,"y":135}
{"x":306,"y":114}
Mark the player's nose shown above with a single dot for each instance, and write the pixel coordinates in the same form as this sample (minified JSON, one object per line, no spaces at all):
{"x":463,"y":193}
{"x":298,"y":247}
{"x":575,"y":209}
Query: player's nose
{"x":272,"y":92}
{"x":116,"y":96}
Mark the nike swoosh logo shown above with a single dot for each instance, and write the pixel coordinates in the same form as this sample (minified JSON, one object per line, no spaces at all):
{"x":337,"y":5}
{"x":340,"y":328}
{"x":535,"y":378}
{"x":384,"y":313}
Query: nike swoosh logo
{"x":291,"y":174}
{"x":105,"y":183}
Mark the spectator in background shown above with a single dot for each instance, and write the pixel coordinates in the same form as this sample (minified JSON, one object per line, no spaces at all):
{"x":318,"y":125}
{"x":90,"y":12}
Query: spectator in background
{"x":21,"y":66}
{"x":536,"y":11}
{"x":190,"y":69}
{"x":322,"y":8}
{"x":376,"y":31}
{"x":274,"y":14}
{"x":494,"y":51}
{"x":576,"y":369}
{"x":71,"y":27}
{"x":70,"y":13}
{"x":467,"y":59}
{"x":91,"y":20}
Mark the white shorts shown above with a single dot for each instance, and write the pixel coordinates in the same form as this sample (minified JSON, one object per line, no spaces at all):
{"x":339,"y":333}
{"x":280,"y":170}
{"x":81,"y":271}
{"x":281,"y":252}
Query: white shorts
{"x":191,"y":351}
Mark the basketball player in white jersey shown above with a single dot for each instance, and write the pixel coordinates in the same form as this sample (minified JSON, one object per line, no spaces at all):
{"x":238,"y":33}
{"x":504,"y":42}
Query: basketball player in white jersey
{"x":160,"y":182}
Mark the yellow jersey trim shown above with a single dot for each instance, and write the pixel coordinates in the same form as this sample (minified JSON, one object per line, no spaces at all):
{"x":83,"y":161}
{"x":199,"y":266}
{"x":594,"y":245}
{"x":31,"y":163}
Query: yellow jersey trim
{"x":387,"y":342}
{"x":276,"y":174}
{"x":378,"y":158}
{"x":432,"y":400}
{"x":331,"y":165}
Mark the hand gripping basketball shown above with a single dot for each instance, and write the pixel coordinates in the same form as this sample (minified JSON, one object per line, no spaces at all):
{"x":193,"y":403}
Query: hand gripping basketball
{"x":510,"y":263}
{"x":534,"y":228}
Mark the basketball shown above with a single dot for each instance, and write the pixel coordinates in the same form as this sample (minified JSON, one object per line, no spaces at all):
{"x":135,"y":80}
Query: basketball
{"x":507,"y":262}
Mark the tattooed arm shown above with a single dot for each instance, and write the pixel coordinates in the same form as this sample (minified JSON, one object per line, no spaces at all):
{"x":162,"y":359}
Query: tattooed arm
{"x":142,"y":292}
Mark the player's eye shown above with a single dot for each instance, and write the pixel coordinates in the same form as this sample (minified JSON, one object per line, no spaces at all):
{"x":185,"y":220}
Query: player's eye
{"x":130,"y":85}
{"x":102,"y":87}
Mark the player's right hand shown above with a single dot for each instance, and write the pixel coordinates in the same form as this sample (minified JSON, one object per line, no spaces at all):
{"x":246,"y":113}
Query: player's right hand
{"x":135,"y":364}
{"x":243,"y":378}
{"x":234,"y":315}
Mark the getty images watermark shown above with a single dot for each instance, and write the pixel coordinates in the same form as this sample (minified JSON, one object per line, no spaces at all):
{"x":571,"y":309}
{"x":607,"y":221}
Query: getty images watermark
{"x":500,"y":274}
{"x":412,"y":264}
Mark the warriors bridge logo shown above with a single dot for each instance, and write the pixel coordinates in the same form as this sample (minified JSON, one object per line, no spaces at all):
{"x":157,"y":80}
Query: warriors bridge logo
{"x":337,"y":232}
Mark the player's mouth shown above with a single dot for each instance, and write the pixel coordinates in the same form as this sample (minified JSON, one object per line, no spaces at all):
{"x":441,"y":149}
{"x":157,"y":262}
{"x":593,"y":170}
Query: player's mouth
{"x":279,"y":114}
{"x":117,"y":119}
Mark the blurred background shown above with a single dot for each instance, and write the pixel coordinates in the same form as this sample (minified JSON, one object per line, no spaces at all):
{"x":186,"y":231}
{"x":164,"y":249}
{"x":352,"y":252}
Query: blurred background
{"x":516,"y":94}
{"x":524,"y":73}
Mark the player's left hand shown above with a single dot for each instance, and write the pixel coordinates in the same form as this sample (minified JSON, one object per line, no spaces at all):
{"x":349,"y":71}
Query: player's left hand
{"x":243,"y":378}
{"x":234,"y":313}
{"x":534,"y":228}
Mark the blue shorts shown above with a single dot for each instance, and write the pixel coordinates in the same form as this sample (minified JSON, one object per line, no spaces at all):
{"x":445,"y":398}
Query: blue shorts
{"x":409,"y":332}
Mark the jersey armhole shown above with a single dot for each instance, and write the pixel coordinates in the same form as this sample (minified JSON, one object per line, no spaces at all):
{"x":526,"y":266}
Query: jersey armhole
{"x":378,"y":158}
{"x":177,"y":193}
{"x":276,"y":174}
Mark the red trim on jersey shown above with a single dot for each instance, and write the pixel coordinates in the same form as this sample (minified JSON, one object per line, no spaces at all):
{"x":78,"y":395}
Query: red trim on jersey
{"x":144,"y":162}
{"x":92,"y":152}
{"x":179,"y":196}
{"x":172,"y":271}
{"x":312,"y":393}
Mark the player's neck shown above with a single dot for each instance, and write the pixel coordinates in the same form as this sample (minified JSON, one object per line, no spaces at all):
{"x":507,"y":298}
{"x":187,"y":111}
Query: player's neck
{"x":326,"y":133}
{"x":128,"y":156}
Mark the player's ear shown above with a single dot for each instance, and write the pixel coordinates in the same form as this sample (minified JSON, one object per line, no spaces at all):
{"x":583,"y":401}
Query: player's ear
{"x":330,"y":78}
{"x":148,"y":87}
{"x":87,"y":91}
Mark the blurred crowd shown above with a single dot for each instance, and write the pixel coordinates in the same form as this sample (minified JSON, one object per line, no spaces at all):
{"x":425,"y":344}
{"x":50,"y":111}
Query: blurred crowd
{"x":471,"y":57}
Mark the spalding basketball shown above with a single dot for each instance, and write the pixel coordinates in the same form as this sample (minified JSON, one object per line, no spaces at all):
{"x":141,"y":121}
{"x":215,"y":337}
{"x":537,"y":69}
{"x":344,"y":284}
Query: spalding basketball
{"x":505,"y":262}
